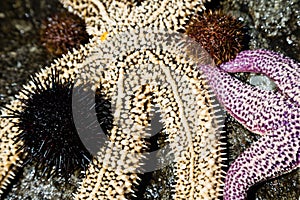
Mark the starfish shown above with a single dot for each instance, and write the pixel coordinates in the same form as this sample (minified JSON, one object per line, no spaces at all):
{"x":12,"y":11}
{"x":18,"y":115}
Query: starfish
{"x":175,"y":86}
{"x":163,"y":71}
{"x":185,"y":102}
{"x":273,"y":114}
{"x":114,"y":16}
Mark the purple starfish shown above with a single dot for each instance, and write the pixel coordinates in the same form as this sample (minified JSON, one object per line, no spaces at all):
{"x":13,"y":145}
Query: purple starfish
{"x":273,"y":114}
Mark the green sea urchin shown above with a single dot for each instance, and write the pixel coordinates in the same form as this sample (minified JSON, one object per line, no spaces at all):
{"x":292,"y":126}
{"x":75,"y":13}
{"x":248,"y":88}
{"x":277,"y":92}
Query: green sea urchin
{"x":221,"y":35}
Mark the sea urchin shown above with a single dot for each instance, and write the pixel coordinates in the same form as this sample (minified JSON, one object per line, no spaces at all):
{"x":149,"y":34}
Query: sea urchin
{"x":63,"y":32}
{"x":47,"y":130}
{"x":221,"y":35}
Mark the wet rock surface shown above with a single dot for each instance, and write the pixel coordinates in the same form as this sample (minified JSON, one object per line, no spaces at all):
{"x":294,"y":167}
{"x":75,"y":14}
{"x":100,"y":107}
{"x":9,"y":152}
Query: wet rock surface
{"x":22,"y":54}
{"x":271,"y":24}
{"x":21,"y":51}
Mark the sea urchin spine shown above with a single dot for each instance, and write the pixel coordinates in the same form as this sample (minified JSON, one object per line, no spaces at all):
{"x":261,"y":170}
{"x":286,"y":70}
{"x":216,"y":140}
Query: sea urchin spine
{"x":46,"y":127}
{"x":62,"y":32}
{"x":11,"y":155}
{"x":47,"y":130}
{"x":220,"y":35}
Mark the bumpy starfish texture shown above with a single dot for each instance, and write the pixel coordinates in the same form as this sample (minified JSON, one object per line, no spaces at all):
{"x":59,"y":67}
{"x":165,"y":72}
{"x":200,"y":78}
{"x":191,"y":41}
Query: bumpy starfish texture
{"x":184,"y":100}
{"x":282,"y":70}
{"x":180,"y":92}
{"x":101,"y":17}
{"x":167,"y":76}
{"x":273,"y":114}
{"x":113,"y":16}
{"x":10,"y":155}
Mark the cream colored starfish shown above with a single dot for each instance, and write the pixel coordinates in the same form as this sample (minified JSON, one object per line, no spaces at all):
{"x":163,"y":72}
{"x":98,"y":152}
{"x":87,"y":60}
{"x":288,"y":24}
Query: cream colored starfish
{"x":173,"y":82}
{"x":168,"y":72}
{"x":113,"y":16}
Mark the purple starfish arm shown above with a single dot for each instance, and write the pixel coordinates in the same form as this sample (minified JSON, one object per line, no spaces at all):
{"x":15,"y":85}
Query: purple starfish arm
{"x":270,"y":156}
{"x":275,"y":114}
{"x":284,"y":71}
{"x":258,"y":110}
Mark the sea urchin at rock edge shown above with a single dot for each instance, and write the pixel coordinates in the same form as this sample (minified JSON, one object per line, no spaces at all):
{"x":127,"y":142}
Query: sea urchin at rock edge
{"x":221,"y":35}
{"x":62,"y":32}
{"x":47,"y":130}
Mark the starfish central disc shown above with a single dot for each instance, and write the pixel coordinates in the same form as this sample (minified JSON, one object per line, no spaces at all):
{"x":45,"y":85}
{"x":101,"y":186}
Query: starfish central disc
{"x":133,"y":68}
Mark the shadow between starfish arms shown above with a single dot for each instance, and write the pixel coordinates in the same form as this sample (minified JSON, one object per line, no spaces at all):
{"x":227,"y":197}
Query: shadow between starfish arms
{"x":273,"y":114}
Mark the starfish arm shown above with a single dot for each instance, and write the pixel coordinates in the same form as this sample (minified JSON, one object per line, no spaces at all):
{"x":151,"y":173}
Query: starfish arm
{"x":9,"y":156}
{"x":171,"y":84}
{"x":11,"y":153}
{"x":271,"y":156}
{"x":283,"y":70}
{"x":258,"y":110}
{"x":112,"y":175}
{"x":117,"y":16}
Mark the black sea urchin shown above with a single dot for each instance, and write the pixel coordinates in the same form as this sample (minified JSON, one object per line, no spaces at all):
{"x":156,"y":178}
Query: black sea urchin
{"x":47,"y":130}
{"x":222,"y":36}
